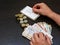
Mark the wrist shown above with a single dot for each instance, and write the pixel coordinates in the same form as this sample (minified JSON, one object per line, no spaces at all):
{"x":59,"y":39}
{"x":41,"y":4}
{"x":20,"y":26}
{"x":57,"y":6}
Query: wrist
{"x":51,"y":14}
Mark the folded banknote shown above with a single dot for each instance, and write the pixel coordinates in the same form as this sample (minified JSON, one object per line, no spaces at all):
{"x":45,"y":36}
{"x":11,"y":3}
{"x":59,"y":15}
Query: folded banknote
{"x":43,"y":27}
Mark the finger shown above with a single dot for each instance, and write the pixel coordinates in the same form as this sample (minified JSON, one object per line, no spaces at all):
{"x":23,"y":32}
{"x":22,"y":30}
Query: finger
{"x":36,"y":5}
{"x":32,"y":40}
{"x":35,"y":36}
{"x":35,"y":10}
{"x":31,"y":43}
{"x":48,"y":39}
{"x":42,"y":36}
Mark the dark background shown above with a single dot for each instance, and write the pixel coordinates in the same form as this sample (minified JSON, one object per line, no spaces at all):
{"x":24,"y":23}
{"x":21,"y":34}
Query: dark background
{"x":10,"y":30}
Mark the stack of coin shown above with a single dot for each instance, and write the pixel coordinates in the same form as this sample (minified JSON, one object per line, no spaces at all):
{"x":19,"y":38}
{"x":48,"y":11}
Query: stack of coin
{"x":22,"y":20}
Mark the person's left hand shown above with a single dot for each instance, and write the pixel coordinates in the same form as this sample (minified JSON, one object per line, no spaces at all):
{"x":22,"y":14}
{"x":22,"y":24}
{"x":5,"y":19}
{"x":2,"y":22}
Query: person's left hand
{"x":40,"y":39}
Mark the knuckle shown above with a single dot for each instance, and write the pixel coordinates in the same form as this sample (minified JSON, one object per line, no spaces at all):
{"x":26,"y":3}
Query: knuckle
{"x":42,"y":3}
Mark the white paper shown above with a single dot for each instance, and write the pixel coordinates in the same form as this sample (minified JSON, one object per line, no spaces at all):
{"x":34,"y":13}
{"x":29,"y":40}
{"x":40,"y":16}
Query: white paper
{"x":29,"y":13}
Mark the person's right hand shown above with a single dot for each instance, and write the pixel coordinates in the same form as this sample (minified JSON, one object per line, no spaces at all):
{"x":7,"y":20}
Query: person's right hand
{"x":42,"y":8}
{"x":40,"y":39}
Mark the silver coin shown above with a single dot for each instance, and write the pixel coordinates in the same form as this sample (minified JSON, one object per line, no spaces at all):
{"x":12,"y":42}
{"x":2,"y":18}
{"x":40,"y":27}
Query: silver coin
{"x":25,"y":21}
{"x":21,"y":22}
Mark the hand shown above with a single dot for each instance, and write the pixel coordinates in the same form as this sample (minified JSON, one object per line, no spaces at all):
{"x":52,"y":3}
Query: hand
{"x":42,"y":8}
{"x":40,"y":39}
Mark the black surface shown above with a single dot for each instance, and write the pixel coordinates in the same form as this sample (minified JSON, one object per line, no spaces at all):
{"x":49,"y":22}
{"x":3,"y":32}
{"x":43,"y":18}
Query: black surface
{"x":10,"y":30}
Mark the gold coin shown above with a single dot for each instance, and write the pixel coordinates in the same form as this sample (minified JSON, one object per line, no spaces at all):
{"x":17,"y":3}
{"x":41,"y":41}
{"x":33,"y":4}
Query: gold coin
{"x":27,"y":24}
{"x":17,"y":15}
{"x":23,"y":25}
{"x":21,"y":18}
{"x":24,"y":17}
{"x":21,"y":15}
{"x":18,"y":18}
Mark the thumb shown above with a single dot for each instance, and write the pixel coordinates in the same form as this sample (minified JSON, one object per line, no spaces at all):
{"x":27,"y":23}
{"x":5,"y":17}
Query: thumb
{"x":35,"y":10}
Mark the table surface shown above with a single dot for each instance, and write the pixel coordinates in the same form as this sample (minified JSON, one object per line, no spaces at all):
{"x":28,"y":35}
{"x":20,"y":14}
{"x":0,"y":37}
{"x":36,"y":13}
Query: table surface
{"x":10,"y":30}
